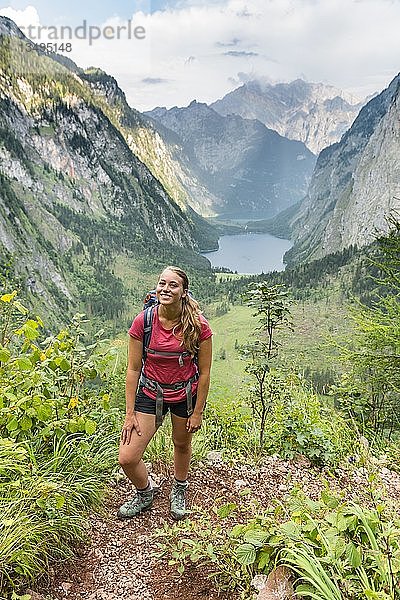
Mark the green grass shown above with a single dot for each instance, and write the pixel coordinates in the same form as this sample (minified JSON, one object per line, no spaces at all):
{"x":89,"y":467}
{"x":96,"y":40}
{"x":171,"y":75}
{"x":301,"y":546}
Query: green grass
{"x":316,"y":325}
{"x":307,"y":346}
{"x":227,"y":375}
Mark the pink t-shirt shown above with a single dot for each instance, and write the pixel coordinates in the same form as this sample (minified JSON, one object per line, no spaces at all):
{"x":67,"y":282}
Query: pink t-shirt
{"x":166,"y":369}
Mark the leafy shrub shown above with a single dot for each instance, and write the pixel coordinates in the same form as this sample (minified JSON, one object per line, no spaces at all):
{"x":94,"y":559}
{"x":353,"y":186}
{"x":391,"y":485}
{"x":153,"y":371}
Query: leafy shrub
{"x":336,"y":548}
{"x":45,"y":385}
{"x":58,"y":440}
{"x":297,"y":424}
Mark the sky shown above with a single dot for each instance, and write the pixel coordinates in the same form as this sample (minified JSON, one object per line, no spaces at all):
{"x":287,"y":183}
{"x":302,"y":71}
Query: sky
{"x":167,"y":53}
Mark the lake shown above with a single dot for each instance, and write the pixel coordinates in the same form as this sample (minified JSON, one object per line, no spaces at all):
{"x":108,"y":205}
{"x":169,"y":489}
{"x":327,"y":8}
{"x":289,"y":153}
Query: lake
{"x":250,"y":253}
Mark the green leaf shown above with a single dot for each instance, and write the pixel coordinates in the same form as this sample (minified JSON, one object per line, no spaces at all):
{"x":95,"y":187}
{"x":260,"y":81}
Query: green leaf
{"x":41,"y":502}
{"x":338,"y":520}
{"x":5,"y":354}
{"x":60,"y":501}
{"x":353,"y":555}
{"x":227,"y":509}
{"x":236,"y":531}
{"x":72,"y":426}
{"x":30,"y":333}
{"x":290,"y":529}
{"x":329,"y":500}
{"x":256,"y":537}
{"x":25,"y":423}
{"x":90,"y":373}
{"x":65,"y":365}
{"x":81,"y":423}
{"x":43,"y":412}
{"x":90,"y":427}
{"x":245,"y":554}
{"x":24,"y":364}
{"x":15,"y":596}
{"x":59,"y":432}
{"x":12,"y":425}
{"x":371,"y":595}
{"x":263,"y":559}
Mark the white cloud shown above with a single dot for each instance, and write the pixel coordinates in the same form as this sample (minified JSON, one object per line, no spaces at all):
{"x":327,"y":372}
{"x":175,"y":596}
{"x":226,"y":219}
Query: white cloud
{"x":23,"y":18}
{"x":352,"y":44}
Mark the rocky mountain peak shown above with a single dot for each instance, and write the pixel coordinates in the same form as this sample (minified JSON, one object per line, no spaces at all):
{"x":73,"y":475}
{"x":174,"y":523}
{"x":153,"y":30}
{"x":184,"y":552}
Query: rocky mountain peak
{"x":103,"y":84}
{"x":313,"y":113}
{"x":355,"y":184}
{"x":8,"y":27}
{"x":253,"y":170}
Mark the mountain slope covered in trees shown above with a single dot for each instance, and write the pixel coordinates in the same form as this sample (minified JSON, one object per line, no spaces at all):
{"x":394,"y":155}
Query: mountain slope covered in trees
{"x":74,"y":196}
{"x":355,"y":184}
{"x":254,"y":170}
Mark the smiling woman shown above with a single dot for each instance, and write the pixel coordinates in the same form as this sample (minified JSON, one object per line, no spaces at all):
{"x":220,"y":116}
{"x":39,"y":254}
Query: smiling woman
{"x":169,"y":372}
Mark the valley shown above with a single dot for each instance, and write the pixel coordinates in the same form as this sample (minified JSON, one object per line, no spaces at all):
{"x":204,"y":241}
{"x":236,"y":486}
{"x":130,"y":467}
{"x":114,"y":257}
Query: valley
{"x":281,"y":202}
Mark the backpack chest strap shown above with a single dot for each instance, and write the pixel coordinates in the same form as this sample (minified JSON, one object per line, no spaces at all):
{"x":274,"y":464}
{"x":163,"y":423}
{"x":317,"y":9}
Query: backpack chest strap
{"x":179,"y":355}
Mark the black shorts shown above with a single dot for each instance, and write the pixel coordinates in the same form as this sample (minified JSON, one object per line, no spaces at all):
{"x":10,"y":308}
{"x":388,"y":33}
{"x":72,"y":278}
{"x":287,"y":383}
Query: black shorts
{"x":147,"y":405}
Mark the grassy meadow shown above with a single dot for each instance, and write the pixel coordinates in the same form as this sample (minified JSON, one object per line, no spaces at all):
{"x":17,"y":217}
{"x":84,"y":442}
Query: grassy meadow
{"x":319,"y":325}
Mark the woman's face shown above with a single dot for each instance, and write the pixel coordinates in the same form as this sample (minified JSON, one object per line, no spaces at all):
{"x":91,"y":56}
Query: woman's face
{"x":169,"y":288}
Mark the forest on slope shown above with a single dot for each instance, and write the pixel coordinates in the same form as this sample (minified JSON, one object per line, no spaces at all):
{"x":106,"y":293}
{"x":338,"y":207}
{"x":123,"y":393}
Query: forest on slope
{"x":333,"y":405}
{"x":296,"y":466}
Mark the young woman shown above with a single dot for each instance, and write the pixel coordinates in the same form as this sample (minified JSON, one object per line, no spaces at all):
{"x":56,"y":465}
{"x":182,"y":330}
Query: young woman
{"x":175,"y":376}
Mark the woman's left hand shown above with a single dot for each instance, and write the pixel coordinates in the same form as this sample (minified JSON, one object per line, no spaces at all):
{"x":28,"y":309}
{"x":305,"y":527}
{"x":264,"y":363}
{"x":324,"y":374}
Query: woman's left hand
{"x":193,"y":423}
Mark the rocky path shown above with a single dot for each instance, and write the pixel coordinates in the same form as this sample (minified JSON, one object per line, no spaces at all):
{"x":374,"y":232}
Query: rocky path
{"x":120,"y":563}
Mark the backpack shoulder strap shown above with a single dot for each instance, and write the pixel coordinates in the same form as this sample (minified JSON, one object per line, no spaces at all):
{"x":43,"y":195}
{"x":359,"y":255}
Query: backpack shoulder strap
{"x":147,"y":324}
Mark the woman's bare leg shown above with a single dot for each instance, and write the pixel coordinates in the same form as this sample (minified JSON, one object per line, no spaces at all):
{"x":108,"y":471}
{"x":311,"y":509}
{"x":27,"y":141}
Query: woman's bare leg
{"x":130,"y":455}
{"x":182,"y":447}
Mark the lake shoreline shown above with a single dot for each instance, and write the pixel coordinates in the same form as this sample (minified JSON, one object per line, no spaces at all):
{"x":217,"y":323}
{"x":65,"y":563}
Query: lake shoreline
{"x":249,"y":253}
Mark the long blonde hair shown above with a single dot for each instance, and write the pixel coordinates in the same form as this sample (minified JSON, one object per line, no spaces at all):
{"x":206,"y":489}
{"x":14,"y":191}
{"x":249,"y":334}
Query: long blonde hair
{"x":189,"y":325}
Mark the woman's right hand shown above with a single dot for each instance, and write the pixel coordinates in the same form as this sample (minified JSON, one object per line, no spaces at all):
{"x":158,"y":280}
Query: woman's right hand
{"x":130,"y":424}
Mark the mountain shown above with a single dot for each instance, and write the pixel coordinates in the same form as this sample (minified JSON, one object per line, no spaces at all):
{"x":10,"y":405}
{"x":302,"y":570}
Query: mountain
{"x":77,"y":205}
{"x":355,"y":184}
{"x":313,"y":113}
{"x":157,"y":147}
{"x":254,"y":170}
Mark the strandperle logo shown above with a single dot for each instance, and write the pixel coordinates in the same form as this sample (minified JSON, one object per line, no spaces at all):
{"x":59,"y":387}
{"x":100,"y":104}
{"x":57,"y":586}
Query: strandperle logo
{"x":66,"y":33}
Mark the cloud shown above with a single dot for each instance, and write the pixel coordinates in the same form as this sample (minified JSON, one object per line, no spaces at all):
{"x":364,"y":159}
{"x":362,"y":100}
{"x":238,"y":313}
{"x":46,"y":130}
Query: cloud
{"x":23,"y":18}
{"x":240,"y":53}
{"x":233,"y":42}
{"x":352,"y":44}
{"x":154,"y":80}
{"x":242,"y":78}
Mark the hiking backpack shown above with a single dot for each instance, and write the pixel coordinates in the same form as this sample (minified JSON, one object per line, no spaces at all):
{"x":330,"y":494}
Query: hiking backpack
{"x":149,"y":306}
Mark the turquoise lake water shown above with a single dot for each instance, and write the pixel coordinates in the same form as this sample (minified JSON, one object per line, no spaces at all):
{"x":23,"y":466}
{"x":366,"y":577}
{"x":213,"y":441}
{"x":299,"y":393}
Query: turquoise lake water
{"x":250,"y":253}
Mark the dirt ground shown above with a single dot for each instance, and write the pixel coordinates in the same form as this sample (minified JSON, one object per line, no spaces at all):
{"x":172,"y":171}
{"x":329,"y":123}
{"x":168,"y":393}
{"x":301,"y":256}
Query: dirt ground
{"x":119,"y":560}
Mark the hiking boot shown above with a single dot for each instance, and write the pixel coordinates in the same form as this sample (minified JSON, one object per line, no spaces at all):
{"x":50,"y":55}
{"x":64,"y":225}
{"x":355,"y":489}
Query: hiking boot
{"x":177,"y":497}
{"x":138,"y":504}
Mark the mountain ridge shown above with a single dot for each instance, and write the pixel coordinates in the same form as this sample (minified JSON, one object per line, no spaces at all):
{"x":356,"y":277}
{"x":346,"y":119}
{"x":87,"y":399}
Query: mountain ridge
{"x":356,"y":178}
{"x":313,"y":113}
{"x":252,"y":168}
{"x":74,"y":195}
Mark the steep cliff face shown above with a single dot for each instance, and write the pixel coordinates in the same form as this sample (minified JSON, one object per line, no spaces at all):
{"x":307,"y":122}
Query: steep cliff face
{"x":255,"y":171}
{"x":73,"y":195}
{"x":157,"y":147}
{"x":355,"y":185}
{"x":313,"y":113}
